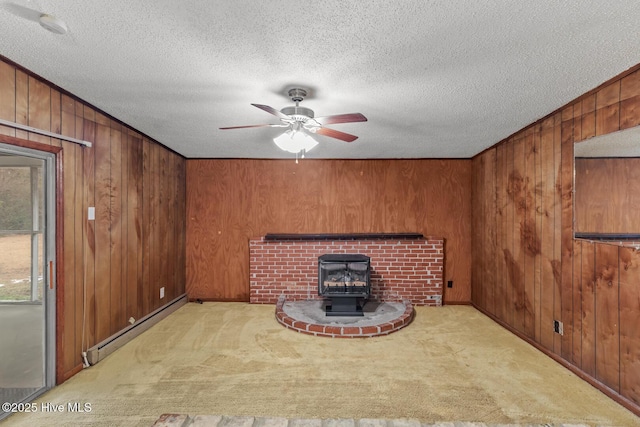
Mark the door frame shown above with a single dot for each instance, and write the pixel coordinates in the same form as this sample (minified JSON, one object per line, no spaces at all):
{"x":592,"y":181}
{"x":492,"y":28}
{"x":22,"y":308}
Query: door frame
{"x":57,"y":269}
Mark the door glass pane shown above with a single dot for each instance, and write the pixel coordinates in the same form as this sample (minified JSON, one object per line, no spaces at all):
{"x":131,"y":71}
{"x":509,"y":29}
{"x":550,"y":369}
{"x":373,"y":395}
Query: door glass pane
{"x":22,"y":261}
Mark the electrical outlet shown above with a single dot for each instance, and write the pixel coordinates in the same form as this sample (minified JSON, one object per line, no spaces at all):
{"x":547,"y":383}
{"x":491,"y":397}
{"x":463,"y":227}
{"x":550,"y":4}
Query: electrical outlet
{"x":162,"y":292}
{"x":557,"y":327}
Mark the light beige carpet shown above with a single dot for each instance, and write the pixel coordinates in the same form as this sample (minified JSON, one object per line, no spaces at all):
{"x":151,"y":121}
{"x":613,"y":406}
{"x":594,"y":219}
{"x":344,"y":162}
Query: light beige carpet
{"x":451,"y":364}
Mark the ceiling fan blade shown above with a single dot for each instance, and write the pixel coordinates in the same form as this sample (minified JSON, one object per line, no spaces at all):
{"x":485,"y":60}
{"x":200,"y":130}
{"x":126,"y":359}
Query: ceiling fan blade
{"x":336,"y":134}
{"x":273,"y":111}
{"x":254,"y":126}
{"x":341,"y":118}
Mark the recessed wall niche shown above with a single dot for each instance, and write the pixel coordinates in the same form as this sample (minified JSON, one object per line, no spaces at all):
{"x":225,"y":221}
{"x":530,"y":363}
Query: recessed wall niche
{"x":607,"y":185}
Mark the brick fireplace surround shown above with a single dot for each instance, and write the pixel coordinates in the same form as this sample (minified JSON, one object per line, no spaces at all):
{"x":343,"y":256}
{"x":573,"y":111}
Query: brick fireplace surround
{"x":402,"y":268}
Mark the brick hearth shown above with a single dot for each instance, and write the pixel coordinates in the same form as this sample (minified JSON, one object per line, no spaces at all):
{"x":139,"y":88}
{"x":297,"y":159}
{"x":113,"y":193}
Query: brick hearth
{"x":401,"y":269}
{"x":343,"y":331}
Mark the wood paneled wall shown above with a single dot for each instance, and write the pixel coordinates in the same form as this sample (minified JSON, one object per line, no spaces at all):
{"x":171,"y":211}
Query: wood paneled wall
{"x":136,"y":243}
{"x":607,"y":195}
{"x":231,"y":201}
{"x":527,"y":269}
{"x":606,"y":338}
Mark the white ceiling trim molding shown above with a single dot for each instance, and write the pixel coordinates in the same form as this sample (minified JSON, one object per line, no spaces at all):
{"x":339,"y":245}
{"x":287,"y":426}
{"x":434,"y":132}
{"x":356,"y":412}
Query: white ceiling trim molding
{"x":44,"y":132}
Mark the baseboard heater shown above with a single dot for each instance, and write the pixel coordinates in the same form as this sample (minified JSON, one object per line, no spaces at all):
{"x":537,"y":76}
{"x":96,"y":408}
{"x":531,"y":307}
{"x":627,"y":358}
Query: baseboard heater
{"x":114,"y":342}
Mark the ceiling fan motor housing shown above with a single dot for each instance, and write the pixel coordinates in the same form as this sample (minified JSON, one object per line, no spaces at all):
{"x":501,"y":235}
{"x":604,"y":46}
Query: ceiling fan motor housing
{"x":297,"y":111}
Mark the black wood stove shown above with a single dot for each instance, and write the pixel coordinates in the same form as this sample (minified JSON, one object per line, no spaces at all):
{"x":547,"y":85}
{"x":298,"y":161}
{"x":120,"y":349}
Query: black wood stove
{"x":344,"y":279}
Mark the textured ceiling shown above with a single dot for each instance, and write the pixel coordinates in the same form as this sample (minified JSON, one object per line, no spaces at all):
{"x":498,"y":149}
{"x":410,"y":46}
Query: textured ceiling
{"x":436,"y":79}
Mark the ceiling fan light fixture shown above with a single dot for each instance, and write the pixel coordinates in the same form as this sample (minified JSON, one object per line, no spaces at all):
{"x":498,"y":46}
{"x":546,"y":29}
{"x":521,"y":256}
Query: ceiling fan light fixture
{"x":53,"y":24}
{"x":295,"y":141}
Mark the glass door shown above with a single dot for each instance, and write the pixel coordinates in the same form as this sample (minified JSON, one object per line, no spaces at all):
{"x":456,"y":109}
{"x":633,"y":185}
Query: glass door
{"x":27,"y":263}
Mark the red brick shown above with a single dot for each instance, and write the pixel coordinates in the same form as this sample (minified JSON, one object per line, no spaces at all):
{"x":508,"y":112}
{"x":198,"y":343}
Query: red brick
{"x":288,"y":320}
{"x":315,"y":328}
{"x":385,"y":327}
{"x":350,"y":330}
{"x":368,"y":330}
{"x":333,"y":330}
{"x":300,"y":325}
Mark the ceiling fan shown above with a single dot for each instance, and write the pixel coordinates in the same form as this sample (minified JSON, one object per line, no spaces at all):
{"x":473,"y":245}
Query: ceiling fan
{"x":48,"y":22}
{"x":300,"y":121}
